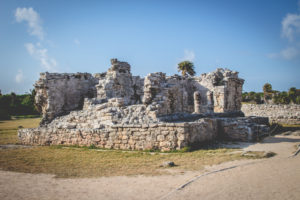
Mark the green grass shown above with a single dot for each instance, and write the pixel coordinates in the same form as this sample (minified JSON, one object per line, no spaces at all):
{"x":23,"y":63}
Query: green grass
{"x":9,"y":128}
{"x":75,"y":161}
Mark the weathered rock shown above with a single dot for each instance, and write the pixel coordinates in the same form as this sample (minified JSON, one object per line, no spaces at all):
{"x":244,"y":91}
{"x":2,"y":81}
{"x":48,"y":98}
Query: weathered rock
{"x":121,"y":111}
{"x":247,"y":129}
{"x":167,"y":164}
{"x":58,"y":94}
{"x":283,"y":114}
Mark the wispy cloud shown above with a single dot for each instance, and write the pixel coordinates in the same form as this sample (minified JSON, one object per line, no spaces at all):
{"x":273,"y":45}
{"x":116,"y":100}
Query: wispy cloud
{"x":41,"y":54}
{"x":76,"y":41}
{"x":291,"y":26}
{"x":35,"y":28}
{"x":290,"y":30}
{"x":33,"y":21}
{"x":288,"y":53}
{"x":188,"y":55}
{"x":19,"y":77}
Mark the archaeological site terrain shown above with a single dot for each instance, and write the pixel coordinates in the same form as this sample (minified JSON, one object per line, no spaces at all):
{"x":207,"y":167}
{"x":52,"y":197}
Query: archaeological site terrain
{"x":117,"y":110}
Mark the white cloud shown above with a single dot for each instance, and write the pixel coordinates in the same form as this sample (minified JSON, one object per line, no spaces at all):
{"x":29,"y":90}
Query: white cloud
{"x":290,"y":29}
{"x":30,"y":16}
{"x":19,"y":76}
{"x":76,"y":41}
{"x":289,"y":53}
{"x":291,"y":26}
{"x":35,"y":28}
{"x":188,"y":55}
{"x":40,"y":53}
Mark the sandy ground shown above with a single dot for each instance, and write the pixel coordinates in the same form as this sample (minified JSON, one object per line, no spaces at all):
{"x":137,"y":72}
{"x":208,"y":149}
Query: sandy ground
{"x":273,"y":178}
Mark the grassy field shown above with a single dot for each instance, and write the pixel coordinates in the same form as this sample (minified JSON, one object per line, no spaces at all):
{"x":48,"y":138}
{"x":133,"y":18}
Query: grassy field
{"x":9,"y":128}
{"x":85,"y":162}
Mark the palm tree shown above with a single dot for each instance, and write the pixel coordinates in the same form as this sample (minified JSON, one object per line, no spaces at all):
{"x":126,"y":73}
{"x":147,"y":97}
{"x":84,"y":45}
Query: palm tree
{"x":267,"y":88}
{"x":186,"y":67}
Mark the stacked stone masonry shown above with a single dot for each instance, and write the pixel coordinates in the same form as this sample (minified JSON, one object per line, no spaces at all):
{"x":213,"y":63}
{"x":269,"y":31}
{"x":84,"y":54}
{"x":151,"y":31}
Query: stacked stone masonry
{"x":283,"y":114}
{"x":117,"y":110}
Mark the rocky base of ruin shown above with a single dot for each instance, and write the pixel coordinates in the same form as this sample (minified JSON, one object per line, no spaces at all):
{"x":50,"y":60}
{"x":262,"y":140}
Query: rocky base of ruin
{"x":163,"y":136}
{"x":113,"y":126}
{"x":118,"y":110}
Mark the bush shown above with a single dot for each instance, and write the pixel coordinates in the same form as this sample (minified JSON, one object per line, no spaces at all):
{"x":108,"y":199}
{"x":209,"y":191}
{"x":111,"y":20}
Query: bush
{"x":292,"y":96}
{"x":12,"y":104}
{"x":297,"y":101}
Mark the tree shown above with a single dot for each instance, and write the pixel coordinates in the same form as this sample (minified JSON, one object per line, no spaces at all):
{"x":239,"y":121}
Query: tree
{"x":186,"y":68}
{"x":284,"y":99}
{"x":267,"y":88}
{"x":292,"y":94}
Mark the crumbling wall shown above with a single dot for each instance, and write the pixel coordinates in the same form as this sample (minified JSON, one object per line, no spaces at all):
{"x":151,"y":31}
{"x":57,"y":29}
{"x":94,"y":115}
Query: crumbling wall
{"x":117,"y":110}
{"x":283,"y":114}
{"x":169,"y":136}
{"x":246,"y":129}
{"x":168,"y":95}
{"x":162,"y":136}
{"x":218,"y":91}
{"x":226,"y":88}
{"x":58,"y":94}
{"x":118,"y":82}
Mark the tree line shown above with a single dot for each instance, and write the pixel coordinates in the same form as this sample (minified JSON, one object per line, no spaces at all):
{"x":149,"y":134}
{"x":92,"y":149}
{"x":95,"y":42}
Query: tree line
{"x":16,"y":105}
{"x":272,"y":96}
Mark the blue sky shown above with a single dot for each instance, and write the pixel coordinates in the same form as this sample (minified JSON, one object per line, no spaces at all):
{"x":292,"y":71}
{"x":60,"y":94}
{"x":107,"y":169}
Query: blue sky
{"x":260,"y":39}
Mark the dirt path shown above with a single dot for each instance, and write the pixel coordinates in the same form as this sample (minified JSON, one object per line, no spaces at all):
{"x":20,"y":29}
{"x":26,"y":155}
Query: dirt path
{"x":273,"y":178}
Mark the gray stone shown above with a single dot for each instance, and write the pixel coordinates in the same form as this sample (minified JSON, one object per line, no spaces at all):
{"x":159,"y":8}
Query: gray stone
{"x":283,"y":114}
{"x":167,"y":164}
{"x":117,"y":110}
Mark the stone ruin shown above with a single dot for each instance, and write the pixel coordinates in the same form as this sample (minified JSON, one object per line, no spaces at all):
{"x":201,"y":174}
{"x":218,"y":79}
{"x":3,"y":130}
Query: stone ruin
{"x":118,"y":110}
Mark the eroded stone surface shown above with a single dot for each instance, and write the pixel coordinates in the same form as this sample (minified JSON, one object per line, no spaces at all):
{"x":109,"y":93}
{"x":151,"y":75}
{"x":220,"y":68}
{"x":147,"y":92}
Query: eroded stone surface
{"x":284,"y":114}
{"x":121,"y":111}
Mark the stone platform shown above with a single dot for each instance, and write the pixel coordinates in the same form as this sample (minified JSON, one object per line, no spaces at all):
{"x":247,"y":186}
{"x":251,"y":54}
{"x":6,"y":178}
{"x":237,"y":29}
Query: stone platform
{"x":120,"y":111}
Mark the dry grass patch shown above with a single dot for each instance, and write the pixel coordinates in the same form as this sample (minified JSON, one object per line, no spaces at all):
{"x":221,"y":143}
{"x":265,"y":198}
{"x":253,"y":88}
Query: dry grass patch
{"x":82,"y":162}
{"x":9,"y":128}
{"x":85,"y":162}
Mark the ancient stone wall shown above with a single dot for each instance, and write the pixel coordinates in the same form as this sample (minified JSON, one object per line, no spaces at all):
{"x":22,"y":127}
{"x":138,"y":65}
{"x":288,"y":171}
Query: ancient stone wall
{"x":222,"y":88}
{"x":163,"y":136}
{"x":58,"y":94}
{"x":218,"y":91}
{"x":284,"y":114}
{"x":246,"y":129}
{"x":117,"y":110}
{"x":118,"y":82}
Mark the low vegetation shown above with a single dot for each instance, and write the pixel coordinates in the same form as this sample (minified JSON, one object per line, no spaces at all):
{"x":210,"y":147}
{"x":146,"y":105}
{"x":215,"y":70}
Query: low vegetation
{"x":272,"y":96}
{"x":74,"y":161}
{"x":16,"y":105}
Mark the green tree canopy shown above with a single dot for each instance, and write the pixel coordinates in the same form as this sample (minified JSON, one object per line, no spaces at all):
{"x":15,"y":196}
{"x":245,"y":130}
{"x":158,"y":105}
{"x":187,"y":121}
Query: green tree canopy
{"x":267,"y":88}
{"x":292,"y":94}
{"x":186,"y":68}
